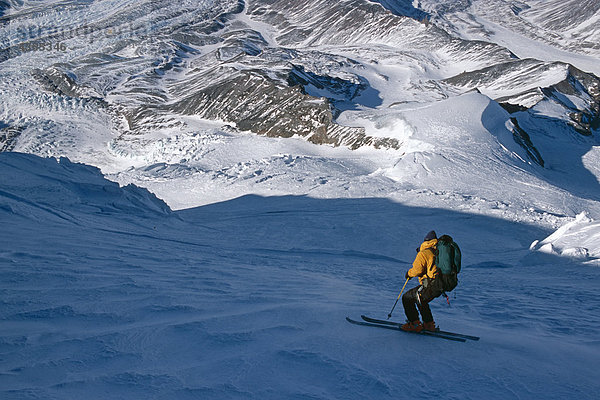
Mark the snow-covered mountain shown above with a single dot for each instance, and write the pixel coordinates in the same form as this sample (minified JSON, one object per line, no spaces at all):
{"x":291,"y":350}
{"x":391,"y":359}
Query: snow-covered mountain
{"x":528,"y":28}
{"x":168,"y":96}
{"x":195,"y":194}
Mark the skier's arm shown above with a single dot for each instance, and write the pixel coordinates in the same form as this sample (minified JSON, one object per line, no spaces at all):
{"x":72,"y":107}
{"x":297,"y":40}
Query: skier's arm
{"x":419,"y":267}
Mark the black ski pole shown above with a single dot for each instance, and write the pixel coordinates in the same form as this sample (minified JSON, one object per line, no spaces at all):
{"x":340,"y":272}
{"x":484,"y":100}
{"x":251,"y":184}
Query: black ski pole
{"x":400,"y":295}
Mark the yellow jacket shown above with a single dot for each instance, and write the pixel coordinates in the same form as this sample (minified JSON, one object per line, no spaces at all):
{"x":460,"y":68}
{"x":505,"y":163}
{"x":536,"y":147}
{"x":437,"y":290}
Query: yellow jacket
{"x":424,"y":264}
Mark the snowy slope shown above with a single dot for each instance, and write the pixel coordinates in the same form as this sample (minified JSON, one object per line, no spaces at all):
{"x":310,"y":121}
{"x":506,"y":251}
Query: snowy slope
{"x":286,"y":159}
{"x":551,"y":30}
{"x":578,"y":239}
{"x":116,"y":298}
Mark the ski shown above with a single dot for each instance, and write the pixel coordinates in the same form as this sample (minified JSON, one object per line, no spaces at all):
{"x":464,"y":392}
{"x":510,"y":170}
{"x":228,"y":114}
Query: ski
{"x":397,"y":328}
{"x":390,"y":323}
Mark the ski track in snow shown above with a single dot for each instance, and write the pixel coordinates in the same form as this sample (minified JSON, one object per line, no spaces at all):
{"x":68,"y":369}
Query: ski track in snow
{"x":247,"y":298}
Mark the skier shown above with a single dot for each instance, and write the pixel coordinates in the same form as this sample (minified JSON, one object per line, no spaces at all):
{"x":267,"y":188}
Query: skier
{"x":430,"y":287}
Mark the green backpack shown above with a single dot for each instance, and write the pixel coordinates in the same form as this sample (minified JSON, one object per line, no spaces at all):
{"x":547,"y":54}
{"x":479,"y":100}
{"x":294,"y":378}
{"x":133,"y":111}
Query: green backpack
{"x":448,"y":262}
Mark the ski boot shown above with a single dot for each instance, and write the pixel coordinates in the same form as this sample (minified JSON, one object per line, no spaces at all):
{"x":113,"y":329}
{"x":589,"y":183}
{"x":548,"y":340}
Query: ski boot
{"x":430,"y":326}
{"x":414,"y":326}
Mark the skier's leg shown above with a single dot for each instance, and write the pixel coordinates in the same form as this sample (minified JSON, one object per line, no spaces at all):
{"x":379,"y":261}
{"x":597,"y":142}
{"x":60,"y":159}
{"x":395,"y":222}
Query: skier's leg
{"x":425,"y":312}
{"x":424,"y":296}
{"x":409,"y":301}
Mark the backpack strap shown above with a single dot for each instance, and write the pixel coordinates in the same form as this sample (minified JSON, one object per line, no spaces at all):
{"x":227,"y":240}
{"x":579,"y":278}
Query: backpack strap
{"x":435,"y":254}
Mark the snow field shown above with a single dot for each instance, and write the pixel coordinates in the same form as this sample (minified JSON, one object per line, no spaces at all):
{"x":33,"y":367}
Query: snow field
{"x":247,"y":298}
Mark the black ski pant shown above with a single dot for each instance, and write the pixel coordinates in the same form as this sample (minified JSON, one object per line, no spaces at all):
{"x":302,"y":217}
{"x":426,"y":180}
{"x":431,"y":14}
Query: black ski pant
{"x":420,"y":297}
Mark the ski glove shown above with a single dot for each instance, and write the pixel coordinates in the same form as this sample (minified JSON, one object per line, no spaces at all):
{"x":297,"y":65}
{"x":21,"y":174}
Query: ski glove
{"x":406,"y":276}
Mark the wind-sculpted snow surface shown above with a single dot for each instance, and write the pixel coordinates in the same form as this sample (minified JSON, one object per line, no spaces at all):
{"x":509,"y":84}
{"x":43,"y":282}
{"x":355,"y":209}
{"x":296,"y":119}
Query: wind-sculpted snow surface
{"x":578,"y":239}
{"x":106,"y":295}
{"x":59,"y":186}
